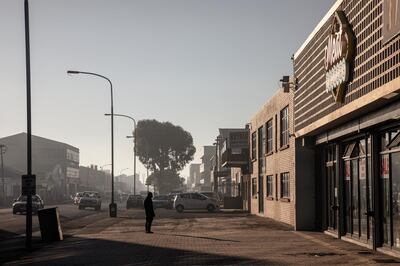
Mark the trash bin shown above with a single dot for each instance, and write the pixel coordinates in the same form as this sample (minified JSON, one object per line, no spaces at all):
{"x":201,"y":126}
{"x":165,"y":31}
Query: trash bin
{"x":113,"y":209}
{"x":50,"y":226}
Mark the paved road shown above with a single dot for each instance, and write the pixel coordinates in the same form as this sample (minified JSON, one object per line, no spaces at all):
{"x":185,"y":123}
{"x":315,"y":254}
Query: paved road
{"x":191,"y":238}
{"x":13,"y":225}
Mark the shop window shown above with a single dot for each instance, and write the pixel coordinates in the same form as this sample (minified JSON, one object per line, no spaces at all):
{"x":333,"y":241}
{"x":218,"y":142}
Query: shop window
{"x":269,"y":147}
{"x":285,"y":185}
{"x":254,"y":187}
{"x":270,"y":186}
{"x":394,"y":142}
{"x":284,"y":130}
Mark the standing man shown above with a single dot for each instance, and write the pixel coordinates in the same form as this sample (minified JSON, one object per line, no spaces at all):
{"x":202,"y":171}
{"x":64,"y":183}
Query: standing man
{"x":148,"y":207}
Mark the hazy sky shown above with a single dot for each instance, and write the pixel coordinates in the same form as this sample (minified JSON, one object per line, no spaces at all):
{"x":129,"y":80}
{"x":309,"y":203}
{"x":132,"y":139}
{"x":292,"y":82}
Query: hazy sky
{"x":201,"y":64}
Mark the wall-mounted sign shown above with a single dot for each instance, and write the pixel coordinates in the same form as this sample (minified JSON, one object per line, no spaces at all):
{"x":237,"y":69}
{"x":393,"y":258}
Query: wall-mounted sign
{"x":339,"y":53}
{"x":28,"y":185}
{"x":391,"y":19}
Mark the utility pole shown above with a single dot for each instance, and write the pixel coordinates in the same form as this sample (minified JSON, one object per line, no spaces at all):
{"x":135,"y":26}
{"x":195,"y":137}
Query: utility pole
{"x":3,"y":150}
{"x":28,"y":181}
{"x":147,"y":178}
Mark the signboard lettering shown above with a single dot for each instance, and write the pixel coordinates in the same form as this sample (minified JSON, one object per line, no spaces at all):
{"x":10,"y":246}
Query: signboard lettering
{"x":339,"y":53}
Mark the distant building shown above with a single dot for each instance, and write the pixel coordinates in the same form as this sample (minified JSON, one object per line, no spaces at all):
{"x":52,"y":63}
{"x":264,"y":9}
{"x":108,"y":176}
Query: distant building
{"x":93,"y":179}
{"x":222,"y":173}
{"x":194,"y":177}
{"x":12,"y":185}
{"x":206,"y":167}
{"x":55,"y":164}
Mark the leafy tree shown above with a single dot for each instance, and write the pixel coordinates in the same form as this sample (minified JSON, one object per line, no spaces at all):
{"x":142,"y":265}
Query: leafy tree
{"x":168,"y":181}
{"x":164,"y":148}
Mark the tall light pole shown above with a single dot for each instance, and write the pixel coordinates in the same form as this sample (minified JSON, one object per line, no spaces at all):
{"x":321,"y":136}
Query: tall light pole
{"x":28,"y":181}
{"x":3,"y":149}
{"x":134,"y":147}
{"x":113,"y":205}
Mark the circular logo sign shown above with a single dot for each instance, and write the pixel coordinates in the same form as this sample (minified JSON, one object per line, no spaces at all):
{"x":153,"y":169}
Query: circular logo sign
{"x":339,"y":53}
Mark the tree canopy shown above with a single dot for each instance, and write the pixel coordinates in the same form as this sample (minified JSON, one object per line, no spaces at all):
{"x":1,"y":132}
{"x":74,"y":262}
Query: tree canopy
{"x":167,"y":182}
{"x":162,"y":146}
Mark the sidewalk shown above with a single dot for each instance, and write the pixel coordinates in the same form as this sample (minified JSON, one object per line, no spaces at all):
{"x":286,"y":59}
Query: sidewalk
{"x":223,"y":238}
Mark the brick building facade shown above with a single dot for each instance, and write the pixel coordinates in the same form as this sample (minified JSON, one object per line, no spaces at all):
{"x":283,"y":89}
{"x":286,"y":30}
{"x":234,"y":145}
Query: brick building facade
{"x":347,"y":109}
{"x":272,"y":151}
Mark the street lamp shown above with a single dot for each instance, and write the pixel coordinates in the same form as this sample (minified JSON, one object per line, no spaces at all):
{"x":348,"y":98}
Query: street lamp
{"x":3,"y":149}
{"x":134,"y":146}
{"x":113,"y":205}
{"x":120,"y":173}
{"x":101,"y":167}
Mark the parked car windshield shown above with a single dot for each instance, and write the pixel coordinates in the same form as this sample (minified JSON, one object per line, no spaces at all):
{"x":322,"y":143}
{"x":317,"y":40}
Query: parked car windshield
{"x":160,"y":197}
{"x":91,"y":195}
{"x":198,"y":196}
{"x":131,"y":197}
{"x":24,"y":198}
{"x":209,"y":194}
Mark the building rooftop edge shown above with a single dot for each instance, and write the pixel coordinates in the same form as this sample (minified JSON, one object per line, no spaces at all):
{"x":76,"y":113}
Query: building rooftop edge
{"x":269,"y":99}
{"x":318,"y":27}
{"x":39,"y":137}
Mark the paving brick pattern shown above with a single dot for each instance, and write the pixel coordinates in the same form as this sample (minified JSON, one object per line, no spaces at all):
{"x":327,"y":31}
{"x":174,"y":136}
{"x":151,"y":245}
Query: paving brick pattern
{"x":226,"y":238}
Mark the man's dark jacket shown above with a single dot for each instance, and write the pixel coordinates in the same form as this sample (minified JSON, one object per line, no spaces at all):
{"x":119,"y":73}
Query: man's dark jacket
{"x":148,"y":207}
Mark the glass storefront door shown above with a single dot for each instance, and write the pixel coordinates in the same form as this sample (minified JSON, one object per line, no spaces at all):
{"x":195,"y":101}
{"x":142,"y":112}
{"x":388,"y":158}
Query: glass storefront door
{"x":332,"y":188}
{"x":357,"y":189}
{"x":390,"y":188}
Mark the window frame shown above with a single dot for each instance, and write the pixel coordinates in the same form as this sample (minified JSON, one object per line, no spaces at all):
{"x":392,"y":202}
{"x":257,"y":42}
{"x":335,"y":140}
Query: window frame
{"x":284,"y":127}
{"x":254,"y":145}
{"x":270,"y":186}
{"x":269,"y":138}
{"x":254,"y":187}
{"x":285,"y":185}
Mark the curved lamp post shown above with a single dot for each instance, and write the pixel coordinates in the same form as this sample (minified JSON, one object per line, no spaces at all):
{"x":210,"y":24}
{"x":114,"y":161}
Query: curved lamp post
{"x":120,"y":173}
{"x":134,"y":147}
{"x":113,"y":205}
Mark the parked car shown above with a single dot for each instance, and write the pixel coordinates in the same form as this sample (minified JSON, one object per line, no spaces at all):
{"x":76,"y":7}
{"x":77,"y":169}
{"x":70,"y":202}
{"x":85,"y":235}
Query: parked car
{"x":162,"y":201}
{"x":135,"y":201}
{"x":213,"y":195}
{"x":194,"y":201}
{"x":77,"y":197}
{"x":19,"y":204}
{"x":90,"y":199}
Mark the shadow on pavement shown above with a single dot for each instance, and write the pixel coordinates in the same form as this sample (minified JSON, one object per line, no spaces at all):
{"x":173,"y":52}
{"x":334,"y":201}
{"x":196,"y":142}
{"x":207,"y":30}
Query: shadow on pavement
{"x":83,"y":251}
{"x":201,"y":237}
{"x":7,"y":234}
